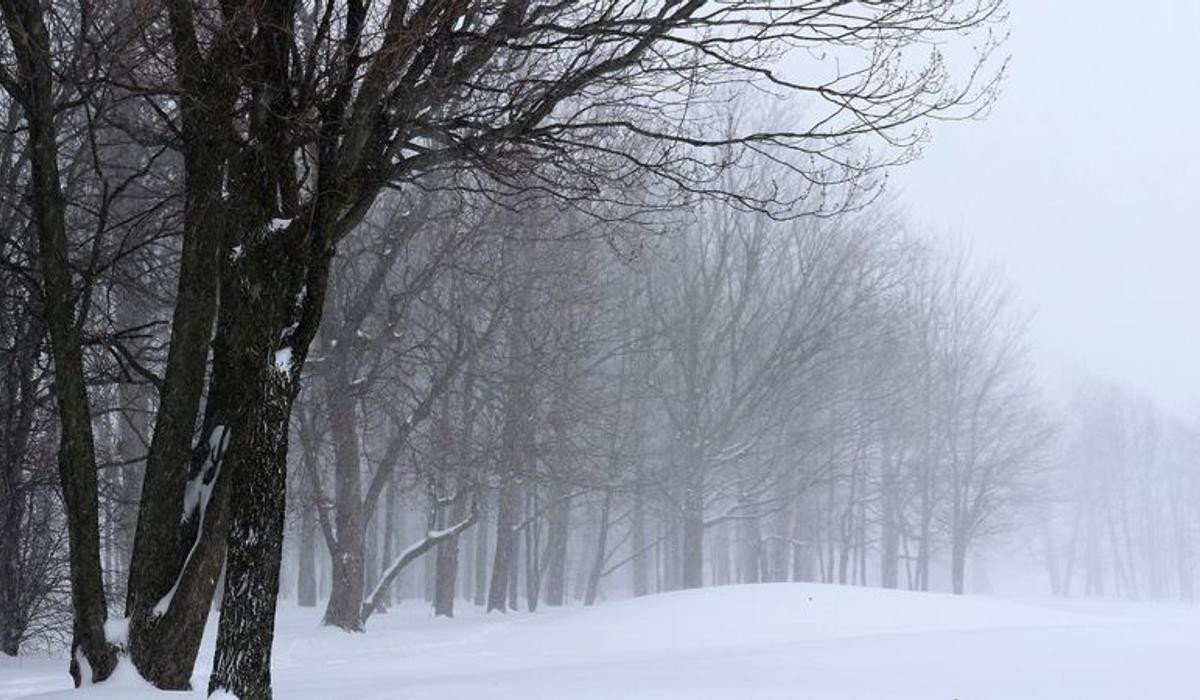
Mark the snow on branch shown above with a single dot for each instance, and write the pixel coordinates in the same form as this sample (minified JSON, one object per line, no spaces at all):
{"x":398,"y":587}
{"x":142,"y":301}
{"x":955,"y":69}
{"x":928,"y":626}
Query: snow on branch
{"x":410,"y":554}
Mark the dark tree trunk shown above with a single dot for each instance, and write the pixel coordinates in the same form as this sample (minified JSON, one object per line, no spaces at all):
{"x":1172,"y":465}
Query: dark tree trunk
{"x":306,"y":568}
{"x":481,"y":571}
{"x":243,"y":660}
{"x":349,"y":558}
{"x":270,"y":308}
{"x":889,"y":554}
{"x":533,"y":552}
{"x":749,"y":546}
{"x":514,"y":569}
{"x":958,"y":565}
{"x":692,"y":552}
{"x":161,"y":546}
{"x":720,"y":556}
{"x":131,"y":448}
{"x":76,"y":460}
{"x":446,"y":566}
{"x":446,"y":578}
{"x":18,"y":401}
{"x":559,"y":529}
{"x":390,"y":536}
{"x":597,"y":570}
{"x":372,"y":552}
{"x":497,"y":599}
{"x":12,"y":515}
{"x":174,"y":564}
{"x":641,"y":569}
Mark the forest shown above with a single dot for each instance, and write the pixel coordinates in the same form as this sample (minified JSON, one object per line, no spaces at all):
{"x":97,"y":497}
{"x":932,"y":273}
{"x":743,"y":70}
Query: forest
{"x":509,"y":305}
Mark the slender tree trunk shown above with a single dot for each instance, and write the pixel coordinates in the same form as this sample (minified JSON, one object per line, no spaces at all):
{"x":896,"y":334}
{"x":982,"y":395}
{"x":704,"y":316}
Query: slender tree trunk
{"x":162,"y":548}
{"x":722,"y":567}
{"x":958,"y":564}
{"x":349,"y":559}
{"x":692,"y":554}
{"x":446,"y":566}
{"x":502,"y":562}
{"x":466,"y":577}
{"x":12,"y":515}
{"x":77,"y":459}
{"x":597,"y":570}
{"x":889,"y":536}
{"x":749,"y":543}
{"x":558,"y":534}
{"x":19,"y":401}
{"x":514,"y":568}
{"x":390,"y":536}
{"x":306,"y":568}
{"x":479,"y":596}
{"x":640,"y":568}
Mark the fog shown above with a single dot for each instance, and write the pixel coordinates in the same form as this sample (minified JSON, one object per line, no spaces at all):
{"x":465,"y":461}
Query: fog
{"x":1081,"y":185}
{"x":665,"y":349}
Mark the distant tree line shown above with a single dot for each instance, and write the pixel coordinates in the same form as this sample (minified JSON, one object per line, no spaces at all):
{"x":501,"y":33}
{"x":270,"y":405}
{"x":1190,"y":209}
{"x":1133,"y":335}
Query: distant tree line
{"x":541,"y":295}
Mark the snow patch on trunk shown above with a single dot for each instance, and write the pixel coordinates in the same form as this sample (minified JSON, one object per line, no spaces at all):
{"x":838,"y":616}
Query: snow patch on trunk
{"x":197,"y":492}
{"x":283,"y":360}
{"x":116,"y":631}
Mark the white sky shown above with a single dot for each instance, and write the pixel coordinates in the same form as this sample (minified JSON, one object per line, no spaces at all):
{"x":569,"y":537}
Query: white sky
{"x":1081,"y":186}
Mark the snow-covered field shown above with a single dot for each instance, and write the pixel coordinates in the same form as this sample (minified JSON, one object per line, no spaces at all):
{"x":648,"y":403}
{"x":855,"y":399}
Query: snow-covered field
{"x":767,"y":641}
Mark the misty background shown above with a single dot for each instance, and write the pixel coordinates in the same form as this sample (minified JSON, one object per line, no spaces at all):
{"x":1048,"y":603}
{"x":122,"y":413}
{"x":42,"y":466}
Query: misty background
{"x":1081,"y":185}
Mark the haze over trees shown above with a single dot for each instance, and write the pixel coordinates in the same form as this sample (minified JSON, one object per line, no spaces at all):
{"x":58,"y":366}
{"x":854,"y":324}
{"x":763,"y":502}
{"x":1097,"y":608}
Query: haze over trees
{"x":508,"y":303}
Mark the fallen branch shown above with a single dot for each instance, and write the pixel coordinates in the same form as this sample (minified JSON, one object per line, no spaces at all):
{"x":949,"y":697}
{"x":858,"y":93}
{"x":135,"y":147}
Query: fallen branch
{"x":409,"y":555}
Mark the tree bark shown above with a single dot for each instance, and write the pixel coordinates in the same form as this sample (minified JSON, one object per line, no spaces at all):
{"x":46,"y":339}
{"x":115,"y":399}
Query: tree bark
{"x":641,"y":568}
{"x":30,"y":40}
{"x":271,"y":302}
{"x":597,"y":570}
{"x":446,"y":565}
{"x":497,"y":599}
{"x":306,"y":568}
{"x":559,"y":528}
{"x":692,"y":553}
{"x":481,"y":570}
{"x":958,"y":565}
{"x":349,"y":558}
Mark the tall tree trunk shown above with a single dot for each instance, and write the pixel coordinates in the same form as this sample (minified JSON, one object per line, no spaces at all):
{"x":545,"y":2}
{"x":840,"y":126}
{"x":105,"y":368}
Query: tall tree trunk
{"x":692,"y":554}
{"x":749,"y":545}
{"x":13,"y":621}
{"x":958,"y":564}
{"x":161,"y":546}
{"x":479,"y":597}
{"x":533,"y":564}
{"x":270,"y":309}
{"x":597,"y":569}
{"x":502,"y":564}
{"x":514,"y":568}
{"x":390,"y":536}
{"x":18,"y":401}
{"x":131,"y":449}
{"x":720,"y":556}
{"x":889,"y":536}
{"x":77,"y":459}
{"x":446,"y":566}
{"x":349,"y":560}
{"x":306,"y":567}
{"x":559,"y":528}
{"x":640,"y":568}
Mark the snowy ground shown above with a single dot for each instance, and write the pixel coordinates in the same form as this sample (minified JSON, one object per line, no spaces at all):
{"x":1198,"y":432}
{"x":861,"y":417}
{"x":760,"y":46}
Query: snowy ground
{"x":767,"y":641}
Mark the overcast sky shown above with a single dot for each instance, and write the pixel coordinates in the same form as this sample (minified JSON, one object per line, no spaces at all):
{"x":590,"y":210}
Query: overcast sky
{"x":1082,"y":186}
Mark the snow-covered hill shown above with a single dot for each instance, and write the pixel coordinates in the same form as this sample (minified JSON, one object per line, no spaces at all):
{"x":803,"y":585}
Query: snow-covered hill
{"x":767,"y":641}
